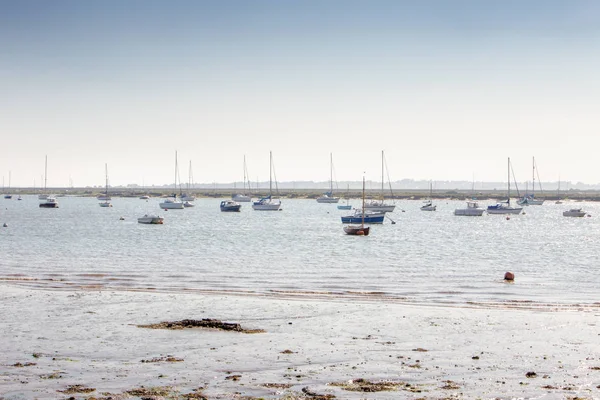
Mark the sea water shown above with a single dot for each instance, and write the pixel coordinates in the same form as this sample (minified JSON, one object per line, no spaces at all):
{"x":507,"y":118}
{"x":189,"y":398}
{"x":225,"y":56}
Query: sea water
{"x":425,"y":257}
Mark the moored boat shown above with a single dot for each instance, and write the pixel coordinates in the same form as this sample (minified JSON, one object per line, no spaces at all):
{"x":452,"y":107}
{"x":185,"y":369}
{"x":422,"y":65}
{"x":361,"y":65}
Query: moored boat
{"x":505,"y":207}
{"x":268,"y":203}
{"x":359,"y":230}
{"x":472,"y":210}
{"x":369,"y":217}
{"x":381,"y":205}
{"x":574,"y":212}
{"x":151,"y":219}
{"x":50,"y":202}
{"x":230,"y":206}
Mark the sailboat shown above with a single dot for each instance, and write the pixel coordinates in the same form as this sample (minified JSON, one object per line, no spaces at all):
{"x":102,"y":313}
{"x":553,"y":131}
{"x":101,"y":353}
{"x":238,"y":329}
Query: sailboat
{"x":428,"y":206}
{"x":359,"y":230}
{"x":558,"y":201}
{"x":106,"y":197}
{"x":505,"y":207}
{"x":8,"y":195}
{"x":328,"y":197}
{"x":187,"y":197}
{"x":268,"y":203}
{"x":380,"y":205}
{"x":529,"y":199}
{"x":50,"y":201}
{"x":172,"y":203}
{"x":243,"y":197}
{"x":346,"y":206}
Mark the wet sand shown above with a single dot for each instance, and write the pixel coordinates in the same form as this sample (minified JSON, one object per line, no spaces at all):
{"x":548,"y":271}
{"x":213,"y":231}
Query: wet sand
{"x":89,"y":344}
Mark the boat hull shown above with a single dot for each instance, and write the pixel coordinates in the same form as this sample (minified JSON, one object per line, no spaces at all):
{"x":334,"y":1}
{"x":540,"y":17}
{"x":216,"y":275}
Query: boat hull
{"x":231,"y":208}
{"x":428,"y":208}
{"x":172,"y":205}
{"x":344,"y":207}
{"x":48,"y":205}
{"x":357,"y":230}
{"x":384,"y":208}
{"x":106,"y":204}
{"x":241,"y":198}
{"x":150,"y":220}
{"x":328,"y":200}
{"x":512,"y":210}
{"x":8,"y":196}
{"x":574,"y":213}
{"x":469,"y":212}
{"x":266,"y":207}
{"x":369,"y":219}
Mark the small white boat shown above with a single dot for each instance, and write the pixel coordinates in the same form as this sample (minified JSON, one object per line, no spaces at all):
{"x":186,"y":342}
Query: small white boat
{"x":241,"y":198}
{"x":428,"y":206}
{"x":171,"y":203}
{"x":379,"y":205}
{"x":268,"y":203}
{"x":187,"y":197}
{"x":151,"y":219}
{"x":105,"y":197}
{"x":329,"y":197}
{"x":505,"y":207}
{"x":144,"y":197}
{"x":472,"y":210}
{"x":19,"y":198}
{"x":574,"y":212}
{"x":188,"y":204}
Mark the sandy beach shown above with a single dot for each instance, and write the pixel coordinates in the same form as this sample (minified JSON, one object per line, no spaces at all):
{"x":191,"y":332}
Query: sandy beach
{"x":314,"y":348}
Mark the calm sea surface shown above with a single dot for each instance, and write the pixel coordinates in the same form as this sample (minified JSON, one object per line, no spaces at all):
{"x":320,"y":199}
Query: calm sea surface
{"x":426,"y":257}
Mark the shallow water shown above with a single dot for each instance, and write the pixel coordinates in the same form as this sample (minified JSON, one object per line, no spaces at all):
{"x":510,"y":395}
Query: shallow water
{"x":426,"y":257}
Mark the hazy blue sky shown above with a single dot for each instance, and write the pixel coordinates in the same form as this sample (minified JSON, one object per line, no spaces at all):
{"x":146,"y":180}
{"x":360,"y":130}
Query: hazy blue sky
{"x":446,"y":88}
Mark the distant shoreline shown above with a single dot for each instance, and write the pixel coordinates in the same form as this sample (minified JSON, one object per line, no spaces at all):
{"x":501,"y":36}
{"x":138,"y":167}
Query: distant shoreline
{"x":404,"y":194}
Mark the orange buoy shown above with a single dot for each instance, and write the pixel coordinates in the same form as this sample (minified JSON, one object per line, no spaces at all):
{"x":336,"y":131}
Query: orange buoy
{"x":507,"y":218}
{"x":360,"y":233}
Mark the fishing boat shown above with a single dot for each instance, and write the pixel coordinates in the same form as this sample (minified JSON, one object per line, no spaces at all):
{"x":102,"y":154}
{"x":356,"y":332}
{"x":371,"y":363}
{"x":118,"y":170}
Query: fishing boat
{"x":359,"y":230}
{"x":49,"y":200}
{"x":429,"y":206}
{"x":346,"y":206}
{"x":106,"y":202}
{"x":574,"y":212}
{"x":187,"y":197}
{"x":505,"y":207}
{"x":381,"y":205}
{"x":472,"y":210}
{"x":172,"y":203}
{"x":268,"y":203}
{"x":529,"y":199}
{"x":328,"y":197}
{"x":230,"y":206}
{"x":243,"y":197}
{"x":151,"y":219}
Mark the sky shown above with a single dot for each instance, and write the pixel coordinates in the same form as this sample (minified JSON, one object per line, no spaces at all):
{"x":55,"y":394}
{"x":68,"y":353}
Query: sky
{"x":448,"y":89}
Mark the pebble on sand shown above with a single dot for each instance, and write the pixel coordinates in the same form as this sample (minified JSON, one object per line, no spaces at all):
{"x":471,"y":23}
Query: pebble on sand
{"x":509,"y":276}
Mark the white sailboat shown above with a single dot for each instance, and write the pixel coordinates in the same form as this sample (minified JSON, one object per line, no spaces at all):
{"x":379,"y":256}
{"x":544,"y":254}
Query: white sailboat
{"x":505,"y":207}
{"x":49,"y":200}
{"x":268,"y":203}
{"x":106,"y":197}
{"x":329,"y":197}
{"x":429,"y":206}
{"x":245,"y":196}
{"x":530,"y":199}
{"x":346,"y":206}
{"x":380,"y":205}
{"x":172,"y":203}
{"x":187,"y":197}
{"x":574,"y":212}
{"x":558,"y":201}
{"x":7,"y":196}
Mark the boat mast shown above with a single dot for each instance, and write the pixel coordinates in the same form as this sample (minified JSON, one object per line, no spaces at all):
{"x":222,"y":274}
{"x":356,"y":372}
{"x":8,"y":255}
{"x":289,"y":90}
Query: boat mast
{"x":270,"y":173}
{"x":245,"y":175}
{"x":382,"y":196}
{"x":175,"y":186}
{"x":331,"y":173}
{"x":508,"y":200}
{"x":45,"y":173}
{"x":362,"y":219}
{"x":533,"y":178}
{"x":106,"y":177}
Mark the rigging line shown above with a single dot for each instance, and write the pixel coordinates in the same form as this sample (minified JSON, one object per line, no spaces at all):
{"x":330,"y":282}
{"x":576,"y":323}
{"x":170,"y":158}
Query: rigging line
{"x":538,"y":176}
{"x":388,"y":177}
{"x":515,"y":180}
